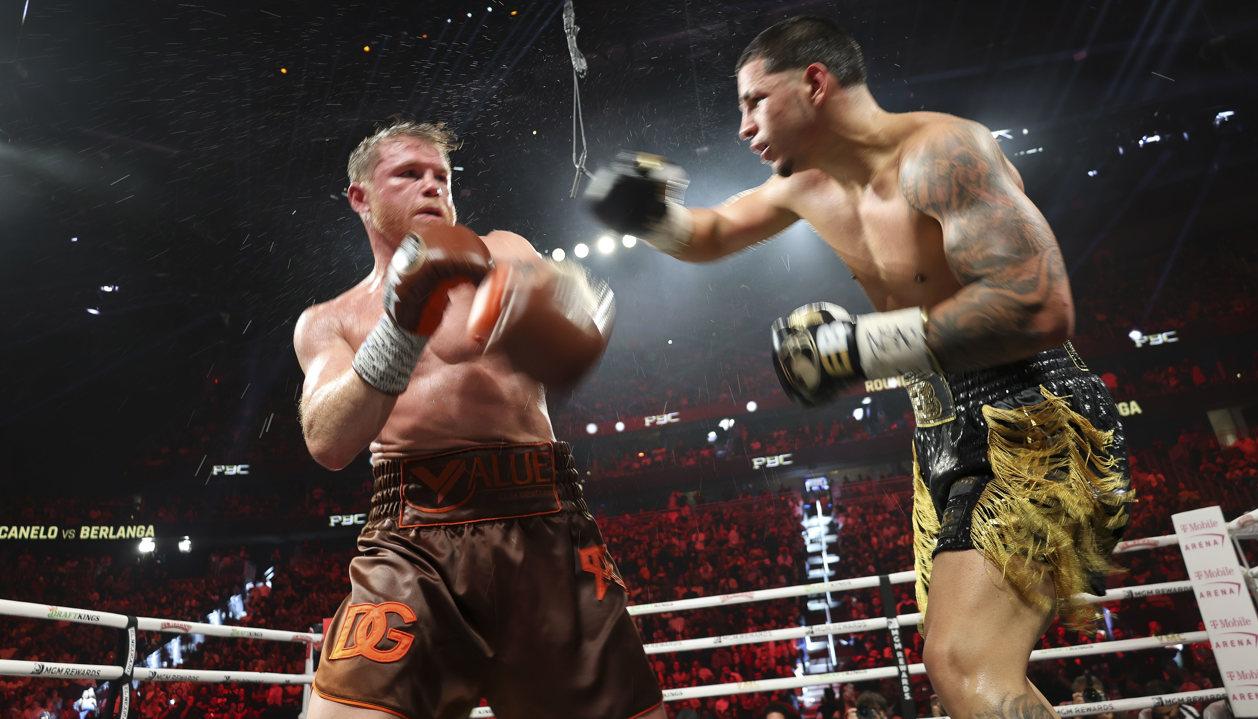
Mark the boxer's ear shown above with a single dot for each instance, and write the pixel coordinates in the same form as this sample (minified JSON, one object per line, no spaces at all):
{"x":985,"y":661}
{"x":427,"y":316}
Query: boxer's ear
{"x":357,"y":196}
{"x":821,"y":83}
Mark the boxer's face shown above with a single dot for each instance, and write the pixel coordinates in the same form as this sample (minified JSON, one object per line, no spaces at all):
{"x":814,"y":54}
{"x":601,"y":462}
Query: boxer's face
{"x":409,"y":187}
{"x":779,"y":117}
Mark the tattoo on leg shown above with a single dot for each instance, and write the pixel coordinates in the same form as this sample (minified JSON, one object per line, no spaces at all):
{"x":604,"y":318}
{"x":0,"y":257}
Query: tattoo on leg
{"x":1023,"y":706}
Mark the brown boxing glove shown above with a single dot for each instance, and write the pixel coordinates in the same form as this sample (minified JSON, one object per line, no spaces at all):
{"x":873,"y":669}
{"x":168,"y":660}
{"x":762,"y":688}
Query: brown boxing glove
{"x":423,"y":271}
{"x":552,"y":320}
{"x":416,"y":294}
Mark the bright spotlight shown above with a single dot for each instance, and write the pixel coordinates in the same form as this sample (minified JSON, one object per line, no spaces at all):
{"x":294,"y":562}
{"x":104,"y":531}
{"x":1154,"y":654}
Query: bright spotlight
{"x":1093,"y":173}
{"x":591,"y":428}
{"x":558,"y":254}
{"x":712,"y":436}
{"x":628,"y":241}
{"x":1135,"y":334}
{"x":620,"y":426}
{"x":867,"y":400}
{"x":606,"y":245}
{"x":858,"y":414}
{"x":1222,"y":117}
{"x":93,"y":311}
{"x":1149,"y":140}
{"x":147,"y":545}
{"x":185,"y":545}
{"x":582,"y":250}
{"x":752,"y":406}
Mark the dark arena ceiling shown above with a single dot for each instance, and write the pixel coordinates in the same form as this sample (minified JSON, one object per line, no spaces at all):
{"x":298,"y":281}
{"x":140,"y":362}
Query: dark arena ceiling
{"x":172,"y":173}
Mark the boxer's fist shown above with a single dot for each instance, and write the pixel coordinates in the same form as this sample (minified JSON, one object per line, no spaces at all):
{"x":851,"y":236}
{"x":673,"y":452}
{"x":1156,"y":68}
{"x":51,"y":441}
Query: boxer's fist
{"x":815,"y":353}
{"x":640,"y":194}
{"x":551,"y":319}
{"x":820,"y":349}
{"x":425,"y":268}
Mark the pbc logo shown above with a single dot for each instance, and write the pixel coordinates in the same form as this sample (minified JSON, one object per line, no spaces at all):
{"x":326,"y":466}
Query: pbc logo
{"x":1153,"y":340}
{"x":346,"y":520}
{"x":365,"y":632}
{"x":229,"y":470}
{"x":772,"y":461}
{"x":659,"y":419}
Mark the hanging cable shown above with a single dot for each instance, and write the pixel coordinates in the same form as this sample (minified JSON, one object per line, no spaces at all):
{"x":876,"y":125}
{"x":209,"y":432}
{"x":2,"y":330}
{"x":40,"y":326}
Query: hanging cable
{"x":579,"y":68}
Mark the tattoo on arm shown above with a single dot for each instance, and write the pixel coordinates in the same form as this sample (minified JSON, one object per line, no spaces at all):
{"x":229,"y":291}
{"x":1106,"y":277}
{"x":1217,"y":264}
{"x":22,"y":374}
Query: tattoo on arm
{"x":1016,"y":296}
{"x":1023,"y":706}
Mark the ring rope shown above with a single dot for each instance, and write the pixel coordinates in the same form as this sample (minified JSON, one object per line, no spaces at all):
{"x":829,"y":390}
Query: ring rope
{"x":1244,"y":526}
{"x":31,"y":610}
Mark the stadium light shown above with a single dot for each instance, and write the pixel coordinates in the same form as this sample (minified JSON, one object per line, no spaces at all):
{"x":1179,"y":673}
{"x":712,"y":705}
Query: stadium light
{"x":558,"y":254}
{"x":752,"y":406}
{"x":582,"y":250}
{"x":620,"y":426}
{"x":591,"y":428}
{"x":185,"y":545}
{"x":606,"y":245}
{"x":629,"y":241}
{"x":147,"y":545}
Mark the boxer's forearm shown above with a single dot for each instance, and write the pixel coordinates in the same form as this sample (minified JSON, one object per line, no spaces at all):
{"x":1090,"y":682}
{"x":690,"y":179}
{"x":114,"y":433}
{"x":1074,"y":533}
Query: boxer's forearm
{"x":993,"y":323}
{"x":748,"y":219}
{"x":705,"y":241}
{"x":342,"y":417}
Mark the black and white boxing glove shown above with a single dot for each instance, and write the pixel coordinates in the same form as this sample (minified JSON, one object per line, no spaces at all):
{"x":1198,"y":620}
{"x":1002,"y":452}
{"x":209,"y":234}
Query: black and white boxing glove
{"x":820,"y":349}
{"x":641,"y":194}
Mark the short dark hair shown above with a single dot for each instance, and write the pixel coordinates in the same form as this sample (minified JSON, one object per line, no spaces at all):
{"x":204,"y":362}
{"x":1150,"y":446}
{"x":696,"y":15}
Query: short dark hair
{"x":872,"y":700}
{"x":799,"y":41}
{"x":780,"y":709}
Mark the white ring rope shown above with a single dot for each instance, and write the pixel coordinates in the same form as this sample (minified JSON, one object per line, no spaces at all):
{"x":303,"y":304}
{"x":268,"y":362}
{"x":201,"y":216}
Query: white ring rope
{"x":1244,"y":526}
{"x":1137,"y":703}
{"x":761,"y":595}
{"x":31,"y":610}
{"x":104,"y":672}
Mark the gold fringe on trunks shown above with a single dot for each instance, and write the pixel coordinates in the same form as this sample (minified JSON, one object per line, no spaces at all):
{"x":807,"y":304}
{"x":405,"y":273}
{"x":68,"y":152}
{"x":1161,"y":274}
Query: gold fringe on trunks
{"x":1055,"y":502}
{"x":925,"y":536}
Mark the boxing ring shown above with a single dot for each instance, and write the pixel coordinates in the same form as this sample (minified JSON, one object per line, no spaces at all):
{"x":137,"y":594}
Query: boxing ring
{"x":1243,"y":527}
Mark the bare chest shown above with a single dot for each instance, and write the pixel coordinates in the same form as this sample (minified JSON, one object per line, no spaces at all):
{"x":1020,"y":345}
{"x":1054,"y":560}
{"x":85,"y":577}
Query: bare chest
{"x":893,"y":251}
{"x":457,"y":395}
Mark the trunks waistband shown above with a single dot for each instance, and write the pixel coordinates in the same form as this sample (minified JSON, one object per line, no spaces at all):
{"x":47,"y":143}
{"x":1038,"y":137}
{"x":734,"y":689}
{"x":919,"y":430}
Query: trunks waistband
{"x":935,"y":397}
{"x":474,"y":484}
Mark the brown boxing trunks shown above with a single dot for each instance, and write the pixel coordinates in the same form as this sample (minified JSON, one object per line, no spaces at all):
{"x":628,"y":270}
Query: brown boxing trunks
{"x":481,"y":573}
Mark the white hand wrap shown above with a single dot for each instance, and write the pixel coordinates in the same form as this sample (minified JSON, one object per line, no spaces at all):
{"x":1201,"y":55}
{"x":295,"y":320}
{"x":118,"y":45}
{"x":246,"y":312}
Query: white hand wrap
{"x":388,"y":356}
{"x":672,"y":234}
{"x":893,"y":343}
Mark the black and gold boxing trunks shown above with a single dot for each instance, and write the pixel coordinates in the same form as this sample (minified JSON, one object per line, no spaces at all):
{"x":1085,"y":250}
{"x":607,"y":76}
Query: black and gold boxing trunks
{"x":481,"y":573}
{"x":1026,"y":463}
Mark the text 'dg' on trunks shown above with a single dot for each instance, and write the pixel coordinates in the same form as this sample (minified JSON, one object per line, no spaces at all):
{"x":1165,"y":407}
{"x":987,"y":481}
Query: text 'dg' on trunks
{"x":365,"y":632}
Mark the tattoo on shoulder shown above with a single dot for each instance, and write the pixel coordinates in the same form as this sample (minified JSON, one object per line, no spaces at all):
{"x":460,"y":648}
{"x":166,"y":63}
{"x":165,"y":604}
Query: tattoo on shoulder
{"x":997,"y":243}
